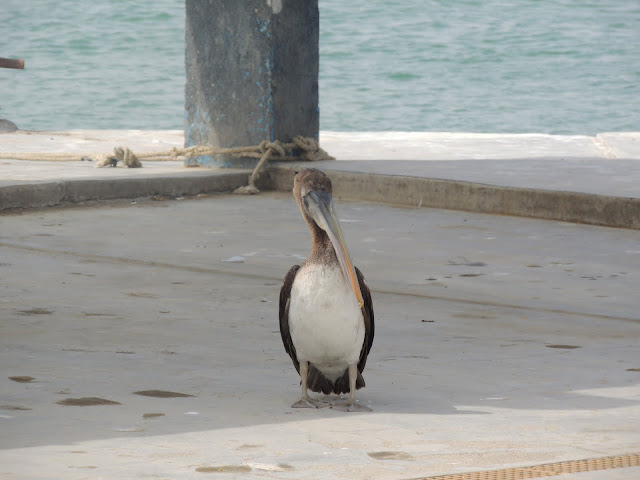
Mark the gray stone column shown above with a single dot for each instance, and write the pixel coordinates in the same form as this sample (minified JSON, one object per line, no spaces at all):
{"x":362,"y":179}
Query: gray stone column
{"x":252,"y":74}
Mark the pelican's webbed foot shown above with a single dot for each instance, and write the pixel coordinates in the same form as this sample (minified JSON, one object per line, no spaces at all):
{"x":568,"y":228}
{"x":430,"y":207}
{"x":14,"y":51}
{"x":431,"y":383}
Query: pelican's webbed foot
{"x":350,"y":407}
{"x":309,"y":403}
{"x":305,"y":401}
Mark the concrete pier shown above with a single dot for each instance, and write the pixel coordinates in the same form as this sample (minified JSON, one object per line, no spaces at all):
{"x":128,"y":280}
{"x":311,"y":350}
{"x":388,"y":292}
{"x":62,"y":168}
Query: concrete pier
{"x":579,"y":179}
{"x":501,"y":342}
{"x":252,"y":74}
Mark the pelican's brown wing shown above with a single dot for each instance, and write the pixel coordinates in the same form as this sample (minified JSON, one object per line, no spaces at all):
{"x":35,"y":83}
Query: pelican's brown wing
{"x":369,"y":325}
{"x":285,"y":299}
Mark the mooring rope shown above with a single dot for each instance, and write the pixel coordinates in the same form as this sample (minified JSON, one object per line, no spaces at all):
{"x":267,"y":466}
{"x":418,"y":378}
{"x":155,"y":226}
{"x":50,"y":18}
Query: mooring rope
{"x":301,"y":148}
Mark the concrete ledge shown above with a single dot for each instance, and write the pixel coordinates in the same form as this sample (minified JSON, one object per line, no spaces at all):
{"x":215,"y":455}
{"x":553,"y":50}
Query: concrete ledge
{"x":410,"y":191}
{"x":402,"y":190}
{"x":47,"y":194}
{"x":582,"y":179}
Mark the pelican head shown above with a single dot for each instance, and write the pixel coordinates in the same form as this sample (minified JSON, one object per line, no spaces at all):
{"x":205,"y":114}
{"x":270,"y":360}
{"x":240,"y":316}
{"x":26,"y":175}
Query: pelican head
{"x":312,"y":190}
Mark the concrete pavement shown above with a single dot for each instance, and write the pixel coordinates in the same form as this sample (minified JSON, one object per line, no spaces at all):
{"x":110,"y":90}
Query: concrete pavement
{"x":139,"y":336}
{"x":500,"y":342}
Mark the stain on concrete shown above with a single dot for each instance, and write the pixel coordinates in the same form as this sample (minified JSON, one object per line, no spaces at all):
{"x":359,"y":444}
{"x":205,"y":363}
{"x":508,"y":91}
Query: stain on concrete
{"x":247,"y":446}
{"x":386,"y":455}
{"x":162,"y":394}
{"x":225,"y":469}
{"x":142,"y":295}
{"x":152,"y":415}
{"x":22,"y":379}
{"x":35,"y":311}
{"x":86,"y":402}
{"x":13,"y":407}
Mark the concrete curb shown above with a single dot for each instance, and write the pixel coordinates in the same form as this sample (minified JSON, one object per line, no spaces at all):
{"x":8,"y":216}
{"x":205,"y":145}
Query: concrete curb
{"x":592,"y":209}
{"x":47,"y":194}
{"x":401,"y":190}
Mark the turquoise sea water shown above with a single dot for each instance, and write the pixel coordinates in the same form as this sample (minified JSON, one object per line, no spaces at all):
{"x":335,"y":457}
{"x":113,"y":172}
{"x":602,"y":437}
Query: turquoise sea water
{"x":549,"y":66}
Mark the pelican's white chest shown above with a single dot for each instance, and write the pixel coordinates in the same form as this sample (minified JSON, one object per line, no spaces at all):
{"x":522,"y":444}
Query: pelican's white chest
{"x":325,"y":320}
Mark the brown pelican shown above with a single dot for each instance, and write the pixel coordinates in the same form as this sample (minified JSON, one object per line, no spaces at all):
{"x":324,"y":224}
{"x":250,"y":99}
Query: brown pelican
{"x":326,"y":314}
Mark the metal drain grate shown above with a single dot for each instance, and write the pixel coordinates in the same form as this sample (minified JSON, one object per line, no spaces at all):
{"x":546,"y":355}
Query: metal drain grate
{"x":548,"y":469}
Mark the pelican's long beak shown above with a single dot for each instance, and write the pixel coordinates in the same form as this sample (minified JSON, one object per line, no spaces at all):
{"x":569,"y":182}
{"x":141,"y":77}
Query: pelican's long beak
{"x":319,"y":205}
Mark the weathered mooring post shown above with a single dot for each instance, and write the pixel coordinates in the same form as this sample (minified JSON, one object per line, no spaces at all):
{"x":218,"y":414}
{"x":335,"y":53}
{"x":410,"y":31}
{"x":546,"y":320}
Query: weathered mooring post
{"x":252,"y":74}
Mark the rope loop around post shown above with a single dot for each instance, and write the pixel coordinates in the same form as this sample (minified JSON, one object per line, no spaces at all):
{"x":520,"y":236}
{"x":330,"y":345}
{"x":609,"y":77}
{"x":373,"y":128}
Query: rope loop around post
{"x":311,"y":150}
{"x":275,"y":145}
